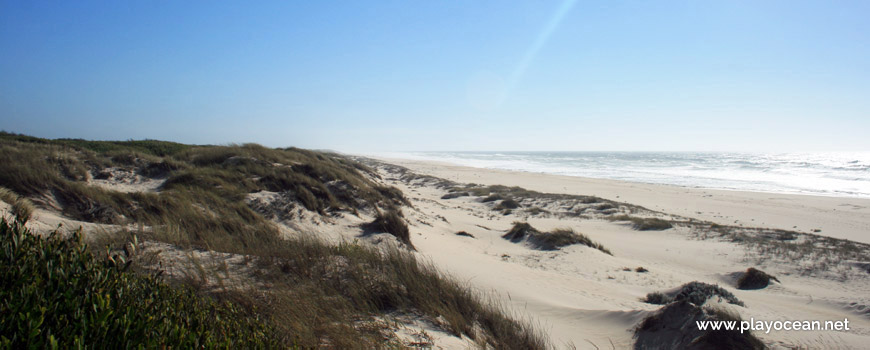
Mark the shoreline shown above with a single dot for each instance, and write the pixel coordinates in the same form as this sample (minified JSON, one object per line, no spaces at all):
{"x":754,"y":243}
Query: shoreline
{"x":838,"y":217}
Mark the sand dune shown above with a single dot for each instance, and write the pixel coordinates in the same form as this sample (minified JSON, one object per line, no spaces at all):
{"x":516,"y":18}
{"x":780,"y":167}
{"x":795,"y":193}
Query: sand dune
{"x":584,"y":297}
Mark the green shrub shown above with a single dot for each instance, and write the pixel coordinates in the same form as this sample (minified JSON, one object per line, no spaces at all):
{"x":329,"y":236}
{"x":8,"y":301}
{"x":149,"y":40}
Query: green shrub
{"x":55,"y":293}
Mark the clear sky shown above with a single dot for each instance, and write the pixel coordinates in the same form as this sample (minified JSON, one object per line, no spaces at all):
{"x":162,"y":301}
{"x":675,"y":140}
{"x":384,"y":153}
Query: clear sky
{"x":443,"y":75}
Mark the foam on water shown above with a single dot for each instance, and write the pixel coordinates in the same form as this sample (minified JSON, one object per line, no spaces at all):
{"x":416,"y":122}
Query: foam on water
{"x":844,"y":174}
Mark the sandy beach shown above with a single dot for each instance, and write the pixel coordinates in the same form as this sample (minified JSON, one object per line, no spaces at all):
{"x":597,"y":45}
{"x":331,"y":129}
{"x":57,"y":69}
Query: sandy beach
{"x":838,"y":217}
{"x":582,"y":297}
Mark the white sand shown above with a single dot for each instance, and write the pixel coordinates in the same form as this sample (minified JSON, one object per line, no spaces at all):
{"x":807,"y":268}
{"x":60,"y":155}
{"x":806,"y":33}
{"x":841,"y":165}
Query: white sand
{"x":582,"y":296}
{"x":838,"y":217}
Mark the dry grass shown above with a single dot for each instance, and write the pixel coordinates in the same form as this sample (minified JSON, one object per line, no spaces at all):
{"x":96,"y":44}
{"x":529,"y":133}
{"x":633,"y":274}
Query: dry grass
{"x":318,"y":295}
{"x":644,"y":224}
{"x":553,"y":240}
{"x":391,"y":222}
{"x":22,"y":208}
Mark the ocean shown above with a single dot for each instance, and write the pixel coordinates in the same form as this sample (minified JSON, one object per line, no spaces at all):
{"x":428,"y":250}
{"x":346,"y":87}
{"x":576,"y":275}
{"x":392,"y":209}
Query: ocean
{"x":845,"y":174}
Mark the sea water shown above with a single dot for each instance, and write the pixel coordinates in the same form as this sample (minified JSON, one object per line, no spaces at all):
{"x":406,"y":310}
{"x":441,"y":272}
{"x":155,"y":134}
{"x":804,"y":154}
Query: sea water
{"x":844,"y":174}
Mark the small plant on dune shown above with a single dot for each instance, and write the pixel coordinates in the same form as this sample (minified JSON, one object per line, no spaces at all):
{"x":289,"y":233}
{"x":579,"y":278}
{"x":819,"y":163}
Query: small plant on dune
{"x":390,"y":221}
{"x":22,"y":208}
{"x":727,"y":339}
{"x":509,"y":204}
{"x":644,"y":224}
{"x":452,"y":195}
{"x":520,"y":231}
{"x":675,"y":327}
{"x":657,"y":298}
{"x":754,"y":279}
{"x":694,"y":292}
{"x":552,"y":240}
{"x":536,"y":211}
{"x":491,"y":198}
{"x":465,"y":234}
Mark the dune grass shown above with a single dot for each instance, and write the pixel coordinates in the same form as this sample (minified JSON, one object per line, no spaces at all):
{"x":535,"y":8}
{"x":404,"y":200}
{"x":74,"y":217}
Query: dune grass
{"x":22,"y":208}
{"x":372,"y":282}
{"x":553,"y":240}
{"x":391,"y":222}
{"x":644,"y":224}
{"x":319,"y":295}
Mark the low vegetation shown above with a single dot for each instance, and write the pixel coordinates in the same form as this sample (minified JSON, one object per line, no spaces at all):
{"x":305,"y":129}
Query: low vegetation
{"x":307,"y":292}
{"x":553,"y":240}
{"x":644,"y":224}
{"x":452,"y":195}
{"x":674,"y":327}
{"x":202,"y":202}
{"x":56,"y":294}
{"x":464,"y":234}
{"x":754,"y":279}
{"x":693,"y":292}
{"x":22,"y":208}
{"x":391,"y":222}
{"x":322,"y":290}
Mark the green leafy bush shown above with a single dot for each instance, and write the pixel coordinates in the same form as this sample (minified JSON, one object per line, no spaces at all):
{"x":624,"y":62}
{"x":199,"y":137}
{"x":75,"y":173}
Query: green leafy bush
{"x":56,"y":294}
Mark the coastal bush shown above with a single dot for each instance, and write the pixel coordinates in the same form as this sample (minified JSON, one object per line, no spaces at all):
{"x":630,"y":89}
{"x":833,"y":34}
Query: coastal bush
{"x":754,"y":279}
{"x":56,"y":294}
{"x":694,"y":292}
{"x":674,"y":327}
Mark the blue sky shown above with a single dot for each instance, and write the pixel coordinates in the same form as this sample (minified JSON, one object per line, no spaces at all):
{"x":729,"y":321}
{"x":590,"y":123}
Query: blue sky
{"x":443,"y":75}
